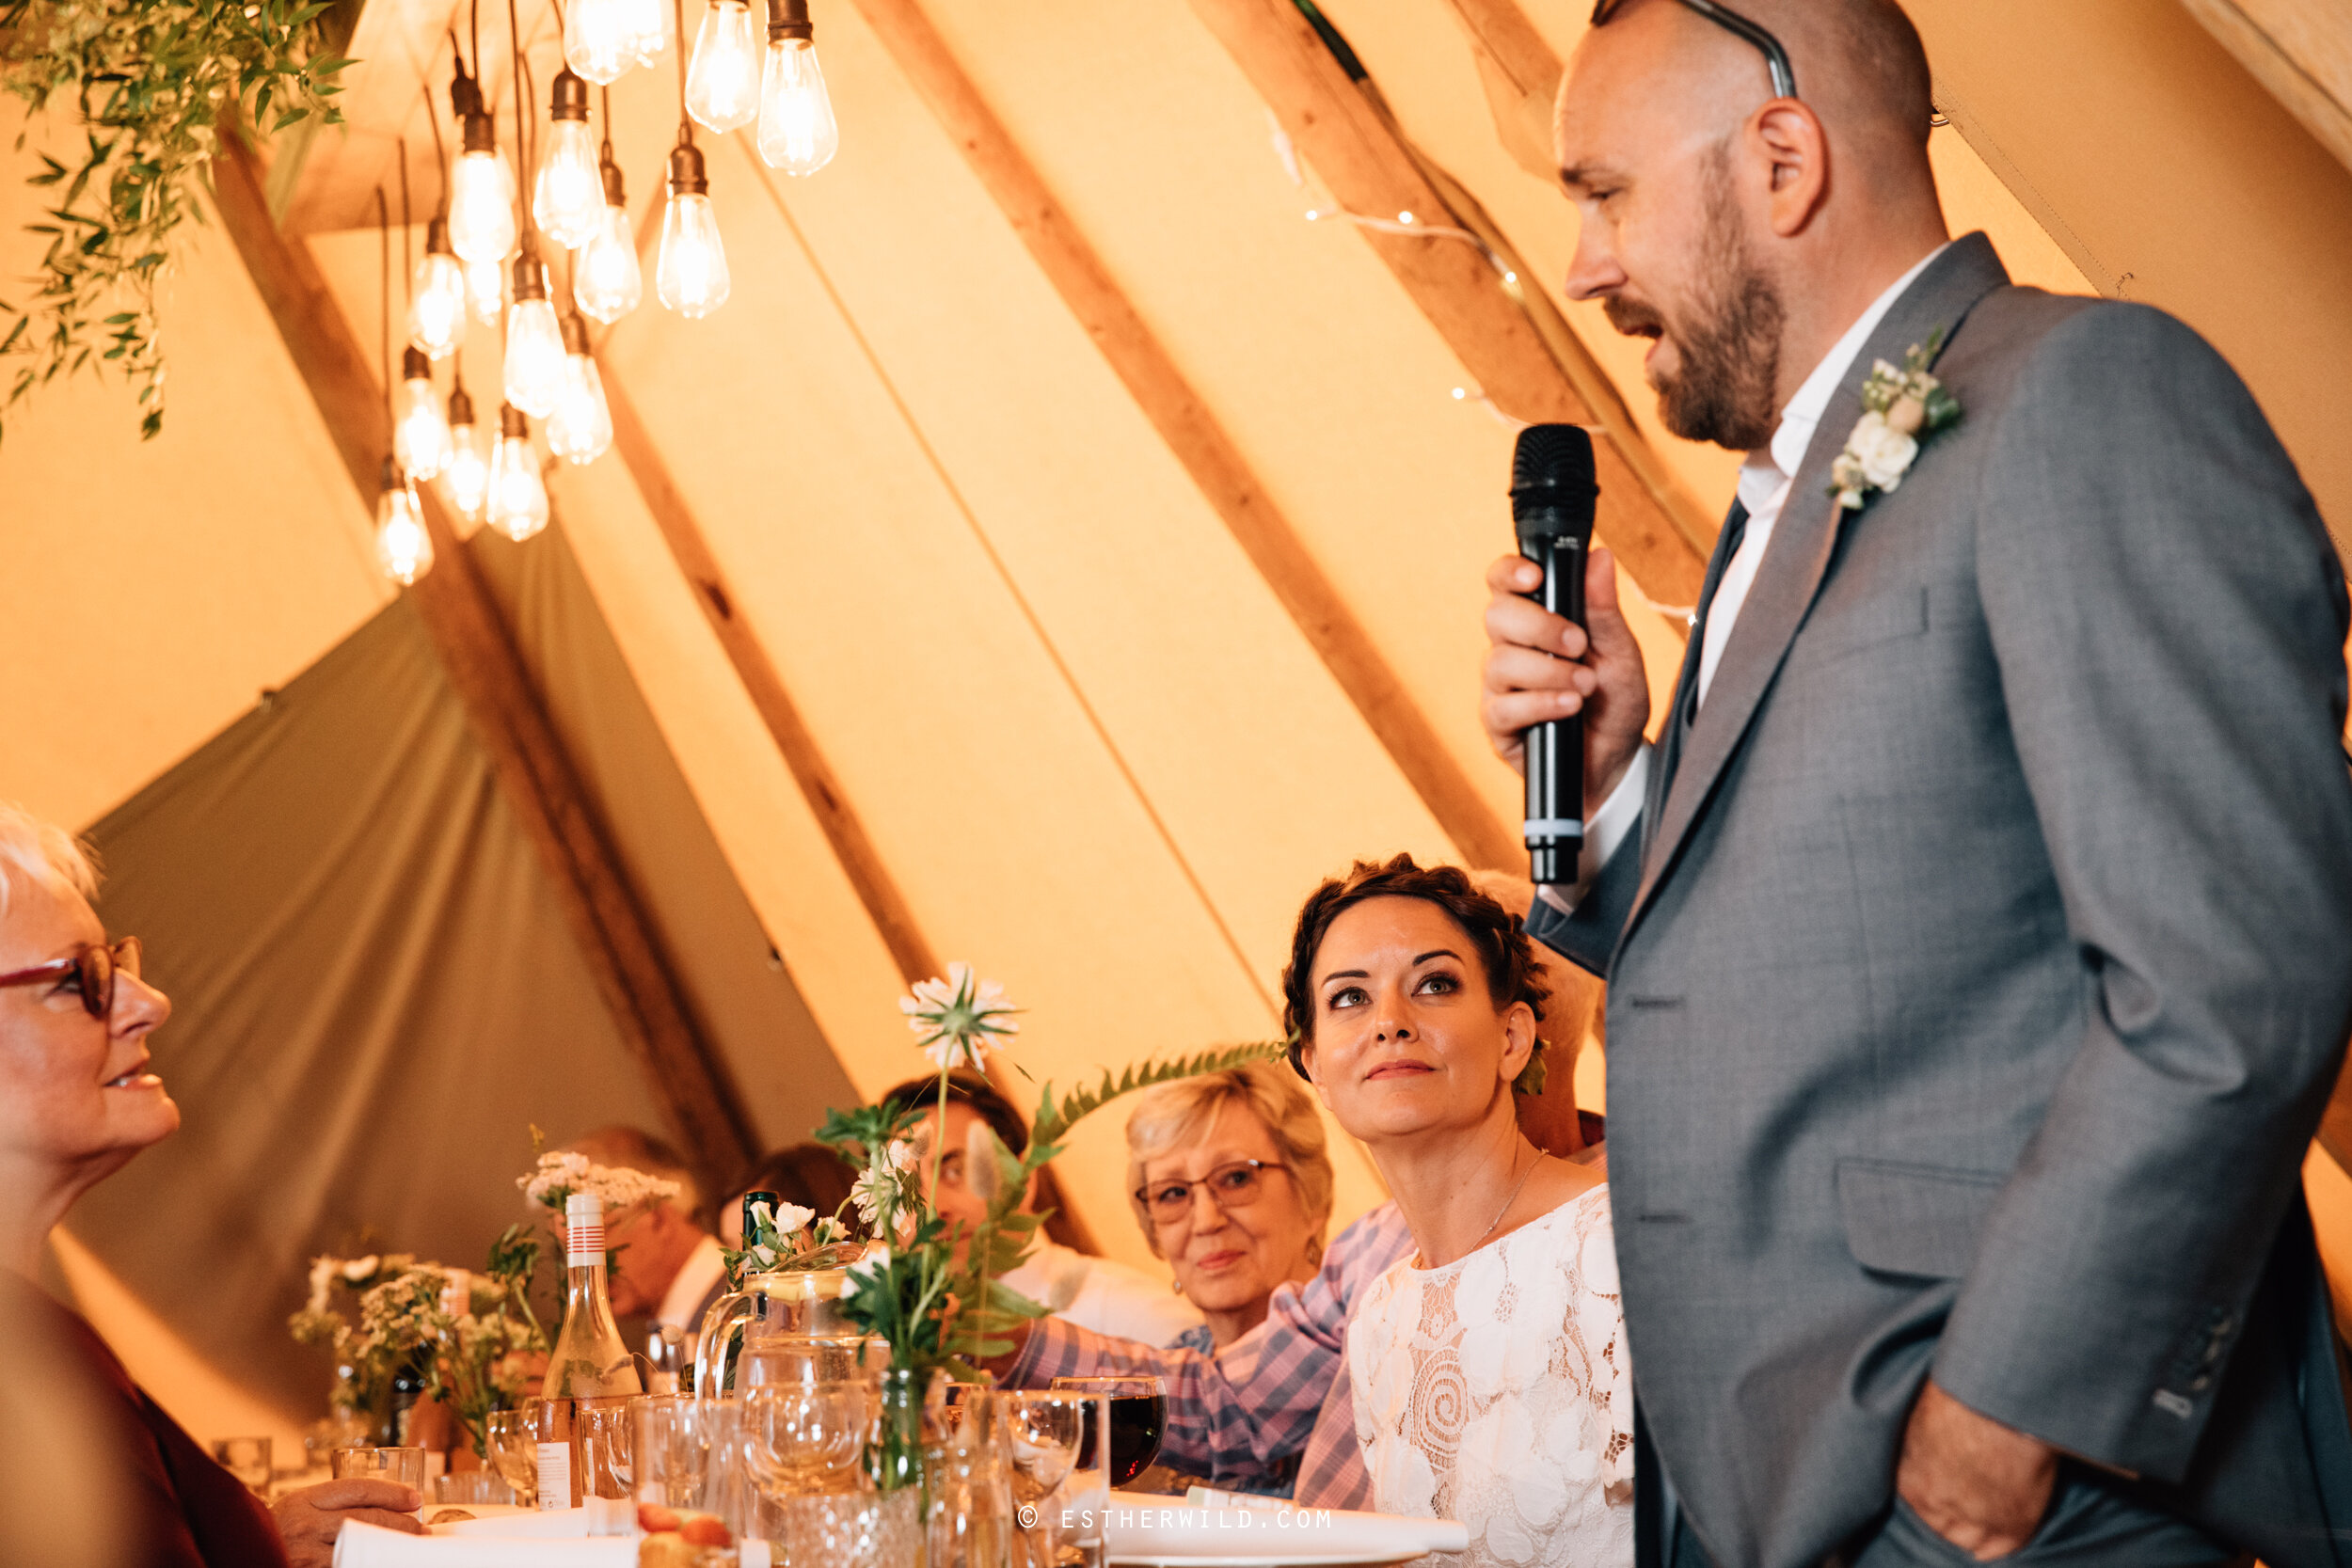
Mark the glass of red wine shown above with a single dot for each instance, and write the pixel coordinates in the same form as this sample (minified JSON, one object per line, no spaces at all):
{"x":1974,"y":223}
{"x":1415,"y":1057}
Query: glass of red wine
{"x":1139,"y":1418}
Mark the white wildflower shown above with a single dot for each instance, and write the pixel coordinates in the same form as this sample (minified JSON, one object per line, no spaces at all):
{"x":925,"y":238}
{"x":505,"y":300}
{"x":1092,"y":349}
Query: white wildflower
{"x":959,"y":1019}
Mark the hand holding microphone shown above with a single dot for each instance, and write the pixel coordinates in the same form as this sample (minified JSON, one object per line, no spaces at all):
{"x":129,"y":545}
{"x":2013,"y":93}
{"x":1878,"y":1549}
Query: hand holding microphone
{"x":1542,"y":667}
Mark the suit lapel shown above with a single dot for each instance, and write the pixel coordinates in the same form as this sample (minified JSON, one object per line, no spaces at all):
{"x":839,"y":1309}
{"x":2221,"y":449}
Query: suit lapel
{"x":1797,"y":558}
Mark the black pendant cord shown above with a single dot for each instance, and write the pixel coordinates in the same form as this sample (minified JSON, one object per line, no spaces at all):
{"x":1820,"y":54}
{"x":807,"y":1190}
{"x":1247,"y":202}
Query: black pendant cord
{"x":384,"y":316}
{"x":605,"y":95}
{"x":526,"y":94}
{"x":407,"y":269}
{"x":440,"y":152}
{"x":684,"y":121}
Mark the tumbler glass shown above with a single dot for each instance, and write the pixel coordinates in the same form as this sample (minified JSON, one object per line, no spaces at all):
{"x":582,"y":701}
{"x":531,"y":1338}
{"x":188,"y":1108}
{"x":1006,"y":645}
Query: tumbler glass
{"x":247,"y":1459}
{"x":515,"y":1452}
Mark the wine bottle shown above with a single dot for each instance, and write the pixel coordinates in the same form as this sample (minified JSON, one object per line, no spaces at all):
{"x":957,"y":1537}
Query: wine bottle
{"x":588,"y":1363}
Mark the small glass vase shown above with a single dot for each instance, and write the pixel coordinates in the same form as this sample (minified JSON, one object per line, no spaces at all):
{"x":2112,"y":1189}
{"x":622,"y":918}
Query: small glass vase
{"x":908,"y":1427}
{"x":969,"y":1477}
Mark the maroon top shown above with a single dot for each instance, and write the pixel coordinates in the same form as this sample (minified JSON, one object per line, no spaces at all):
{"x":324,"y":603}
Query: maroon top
{"x":192,"y":1513}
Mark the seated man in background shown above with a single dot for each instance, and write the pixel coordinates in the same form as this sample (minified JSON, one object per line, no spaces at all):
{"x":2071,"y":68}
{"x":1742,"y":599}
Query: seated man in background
{"x":668,"y":1269}
{"x":1093,"y":1293}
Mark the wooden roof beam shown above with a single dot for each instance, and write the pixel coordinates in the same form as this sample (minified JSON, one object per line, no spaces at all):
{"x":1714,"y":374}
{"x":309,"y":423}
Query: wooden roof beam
{"x":1193,"y":433}
{"x":1508,"y":335}
{"x":688,"y":1079}
{"x":860,"y":862}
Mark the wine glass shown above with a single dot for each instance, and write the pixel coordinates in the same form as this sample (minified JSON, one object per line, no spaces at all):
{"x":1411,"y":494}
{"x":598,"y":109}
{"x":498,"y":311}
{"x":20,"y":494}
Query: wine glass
{"x":515,"y":1452}
{"x":673,"y":1449}
{"x":1042,"y":1429}
{"x":1138,"y":1417}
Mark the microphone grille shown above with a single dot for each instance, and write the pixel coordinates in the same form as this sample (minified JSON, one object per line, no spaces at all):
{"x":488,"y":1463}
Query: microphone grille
{"x":1551,"y":462}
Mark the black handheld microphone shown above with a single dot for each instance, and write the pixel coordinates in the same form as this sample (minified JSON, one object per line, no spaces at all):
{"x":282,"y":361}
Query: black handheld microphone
{"x":1553,"y":492}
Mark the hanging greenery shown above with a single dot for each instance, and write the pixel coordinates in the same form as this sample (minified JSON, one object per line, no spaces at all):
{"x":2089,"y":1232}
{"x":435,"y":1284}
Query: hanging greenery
{"x":153,"y":84}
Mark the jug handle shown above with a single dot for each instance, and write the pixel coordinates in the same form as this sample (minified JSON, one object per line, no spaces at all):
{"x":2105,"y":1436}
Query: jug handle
{"x":713,"y":1348}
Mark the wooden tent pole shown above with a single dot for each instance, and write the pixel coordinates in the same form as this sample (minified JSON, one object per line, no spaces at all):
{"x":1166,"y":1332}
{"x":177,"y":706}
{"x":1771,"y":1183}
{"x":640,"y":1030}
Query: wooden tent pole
{"x":885,"y":904}
{"x":860,"y":862}
{"x":541,"y":784}
{"x":1183,"y":420}
{"x":1506,"y":334}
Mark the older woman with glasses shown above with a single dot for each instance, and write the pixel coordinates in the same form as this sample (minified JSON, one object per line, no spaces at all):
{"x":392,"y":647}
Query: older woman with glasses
{"x":1231,"y":1183}
{"x":77,"y":1100}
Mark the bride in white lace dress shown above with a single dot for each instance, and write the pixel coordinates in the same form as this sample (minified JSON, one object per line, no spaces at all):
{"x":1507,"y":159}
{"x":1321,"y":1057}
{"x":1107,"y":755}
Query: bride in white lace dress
{"x":1490,"y":1369}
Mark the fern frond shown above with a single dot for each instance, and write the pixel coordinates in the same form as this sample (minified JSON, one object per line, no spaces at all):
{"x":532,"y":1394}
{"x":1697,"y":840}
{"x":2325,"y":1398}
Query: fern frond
{"x":1055,"y":1118}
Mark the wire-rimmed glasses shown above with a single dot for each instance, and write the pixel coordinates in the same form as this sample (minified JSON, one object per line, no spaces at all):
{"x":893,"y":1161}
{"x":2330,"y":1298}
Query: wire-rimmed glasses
{"x":1776,"y":57}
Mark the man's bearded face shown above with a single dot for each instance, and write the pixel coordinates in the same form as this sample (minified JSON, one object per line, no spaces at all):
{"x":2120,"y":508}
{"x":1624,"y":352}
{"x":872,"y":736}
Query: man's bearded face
{"x":1727,"y":338}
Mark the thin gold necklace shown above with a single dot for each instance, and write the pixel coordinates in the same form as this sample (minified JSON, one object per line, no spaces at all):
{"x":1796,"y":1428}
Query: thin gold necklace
{"x":1508,"y":1201}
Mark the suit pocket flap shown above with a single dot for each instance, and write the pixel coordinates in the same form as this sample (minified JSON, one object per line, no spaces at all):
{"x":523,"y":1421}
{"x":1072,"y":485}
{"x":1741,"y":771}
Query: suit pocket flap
{"x":1913,"y":1219}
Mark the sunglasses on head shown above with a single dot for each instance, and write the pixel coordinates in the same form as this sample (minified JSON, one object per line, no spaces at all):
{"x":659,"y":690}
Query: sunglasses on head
{"x":92,"y":971}
{"x":1776,"y":57}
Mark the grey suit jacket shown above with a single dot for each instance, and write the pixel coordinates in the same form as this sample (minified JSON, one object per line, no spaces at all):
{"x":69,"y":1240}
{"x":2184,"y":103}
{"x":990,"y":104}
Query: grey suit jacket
{"x":1985,"y":957}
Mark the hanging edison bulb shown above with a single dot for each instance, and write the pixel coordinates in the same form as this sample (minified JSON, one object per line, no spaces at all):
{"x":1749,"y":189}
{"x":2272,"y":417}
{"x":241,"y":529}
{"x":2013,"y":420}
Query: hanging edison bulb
{"x":518,"y":496}
{"x":797,"y":131}
{"x":482,"y":196}
{"x":568,"y":202}
{"x":722,"y":83}
{"x":403,"y":551}
{"x":486,"y":290}
{"x":648,"y":28}
{"x":535,"y":344}
{"x":580,"y":428}
{"x":419,"y":434}
{"x":436,"y":300}
{"x":691,"y":275}
{"x":606,"y":283}
{"x":598,"y":39}
{"x":465,"y":478}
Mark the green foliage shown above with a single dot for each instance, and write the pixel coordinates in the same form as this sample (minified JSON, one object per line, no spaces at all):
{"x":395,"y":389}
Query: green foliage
{"x":1054,"y":1119}
{"x":152,"y":83}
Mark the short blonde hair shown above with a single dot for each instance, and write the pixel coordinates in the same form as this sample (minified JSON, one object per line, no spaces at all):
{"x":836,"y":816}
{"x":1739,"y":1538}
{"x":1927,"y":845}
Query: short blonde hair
{"x":1174,"y":1114}
{"x":33,"y":850}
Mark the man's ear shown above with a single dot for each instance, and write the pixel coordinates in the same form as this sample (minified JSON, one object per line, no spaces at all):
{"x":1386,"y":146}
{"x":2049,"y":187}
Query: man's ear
{"x":1785,"y":140}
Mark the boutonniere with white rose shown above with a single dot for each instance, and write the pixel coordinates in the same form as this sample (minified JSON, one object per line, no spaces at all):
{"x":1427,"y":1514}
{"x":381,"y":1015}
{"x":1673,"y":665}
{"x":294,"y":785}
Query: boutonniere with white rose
{"x":1902,"y":408}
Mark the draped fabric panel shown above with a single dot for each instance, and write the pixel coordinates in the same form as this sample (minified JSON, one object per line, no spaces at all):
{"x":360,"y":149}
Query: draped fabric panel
{"x":374,"y":990}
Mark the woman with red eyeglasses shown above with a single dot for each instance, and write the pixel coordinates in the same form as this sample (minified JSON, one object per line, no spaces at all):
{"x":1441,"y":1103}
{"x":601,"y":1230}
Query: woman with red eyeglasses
{"x":78,"y":1102}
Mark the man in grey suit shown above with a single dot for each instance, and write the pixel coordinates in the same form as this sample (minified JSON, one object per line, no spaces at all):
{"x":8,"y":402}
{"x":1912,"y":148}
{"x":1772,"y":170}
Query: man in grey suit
{"x":1979,"y":925}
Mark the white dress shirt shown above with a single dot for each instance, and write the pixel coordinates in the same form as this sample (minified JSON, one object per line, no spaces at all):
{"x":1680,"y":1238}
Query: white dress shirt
{"x":1765,"y":480}
{"x":1098,"y":1295}
{"x":681,"y":1303}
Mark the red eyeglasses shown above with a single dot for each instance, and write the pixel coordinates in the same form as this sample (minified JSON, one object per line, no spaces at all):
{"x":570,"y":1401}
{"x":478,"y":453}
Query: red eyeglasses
{"x":92,"y":971}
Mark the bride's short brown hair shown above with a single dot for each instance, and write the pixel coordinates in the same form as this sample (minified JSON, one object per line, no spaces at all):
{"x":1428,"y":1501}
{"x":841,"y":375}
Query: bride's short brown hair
{"x":1504,"y":949}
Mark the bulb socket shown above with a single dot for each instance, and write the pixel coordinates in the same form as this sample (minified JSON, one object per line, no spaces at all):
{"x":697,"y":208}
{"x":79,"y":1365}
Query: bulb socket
{"x":570,"y":98}
{"x":436,"y":238}
{"x":688,"y":176}
{"x":788,"y":19}
{"x":390,"y":479}
{"x":513,"y":421}
{"x":464,"y":94}
{"x":415,"y":364}
{"x":615,"y":194}
{"x":481,"y":133}
{"x":530,"y":278}
{"x":575,"y":331}
{"x":460,"y":407}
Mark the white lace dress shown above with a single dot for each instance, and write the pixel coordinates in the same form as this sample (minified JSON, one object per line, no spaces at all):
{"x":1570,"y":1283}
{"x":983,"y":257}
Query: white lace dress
{"x":1495,"y":1391}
